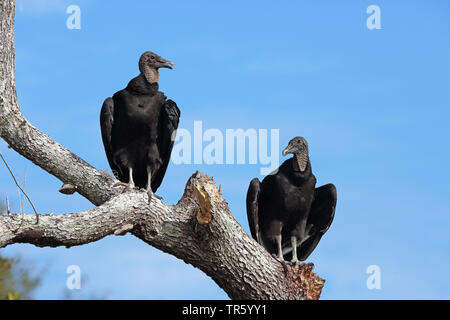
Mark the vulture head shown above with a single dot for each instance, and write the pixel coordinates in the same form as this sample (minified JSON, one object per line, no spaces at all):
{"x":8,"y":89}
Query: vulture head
{"x":149,"y":63}
{"x":299,"y":148}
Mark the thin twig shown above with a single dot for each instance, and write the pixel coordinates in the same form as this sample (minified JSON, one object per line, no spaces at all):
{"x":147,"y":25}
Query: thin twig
{"x":8,"y":208}
{"x":18,"y":186}
{"x":21,"y":205}
{"x":24,"y":188}
{"x":22,"y":213}
{"x":20,"y":202}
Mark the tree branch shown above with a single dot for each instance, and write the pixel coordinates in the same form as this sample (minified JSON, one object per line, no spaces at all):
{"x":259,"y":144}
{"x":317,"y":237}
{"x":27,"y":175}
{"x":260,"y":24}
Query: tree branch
{"x":68,"y":229}
{"x":219,"y":247}
{"x":199,"y":229}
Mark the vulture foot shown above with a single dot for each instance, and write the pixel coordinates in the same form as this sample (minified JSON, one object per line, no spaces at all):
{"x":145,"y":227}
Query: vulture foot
{"x":130,"y":186}
{"x":296,"y":262}
{"x":151,"y":194}
{"x":279,"y":257}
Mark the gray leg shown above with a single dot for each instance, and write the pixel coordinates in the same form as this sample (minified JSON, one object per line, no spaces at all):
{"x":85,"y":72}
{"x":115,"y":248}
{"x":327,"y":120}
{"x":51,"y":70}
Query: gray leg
{"x":258,"y":237}
{"x":280,"y":250}
{"x":149,"y":186}
{"x":294,"y":245}
{"x":130,"y":180}
{"x":258,"y":234}
{"x":294,"y":250}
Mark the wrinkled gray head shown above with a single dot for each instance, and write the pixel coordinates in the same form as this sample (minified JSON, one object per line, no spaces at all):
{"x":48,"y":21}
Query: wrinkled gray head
{"x":299,"y":148}
{"x":152,"y":60}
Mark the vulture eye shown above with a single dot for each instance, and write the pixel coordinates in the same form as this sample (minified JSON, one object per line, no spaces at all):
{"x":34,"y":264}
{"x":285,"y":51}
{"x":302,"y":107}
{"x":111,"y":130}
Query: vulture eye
{"x":153,"y":57}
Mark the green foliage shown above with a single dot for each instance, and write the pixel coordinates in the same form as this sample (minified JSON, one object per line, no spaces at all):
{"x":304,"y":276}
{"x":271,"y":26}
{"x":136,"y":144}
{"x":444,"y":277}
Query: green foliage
{"x":16,"y":280}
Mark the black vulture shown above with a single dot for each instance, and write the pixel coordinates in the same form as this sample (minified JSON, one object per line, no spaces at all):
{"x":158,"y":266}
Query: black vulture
{"x":287,"y":214}
{"x":138,"y":127}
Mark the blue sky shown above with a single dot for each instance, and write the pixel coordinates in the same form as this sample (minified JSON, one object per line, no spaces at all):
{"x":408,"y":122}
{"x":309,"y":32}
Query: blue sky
{"x":374,"y":106}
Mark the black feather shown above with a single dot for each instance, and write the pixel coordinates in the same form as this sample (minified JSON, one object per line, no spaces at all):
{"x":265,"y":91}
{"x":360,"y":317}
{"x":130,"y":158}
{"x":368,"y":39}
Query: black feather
{"x":137,"y":126}
{"x":285,"y":203}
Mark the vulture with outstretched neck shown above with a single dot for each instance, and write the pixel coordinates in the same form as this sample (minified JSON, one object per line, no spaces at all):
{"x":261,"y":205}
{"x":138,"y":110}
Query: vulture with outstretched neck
{"x":287,"y":214}
{"x":138,"y":127}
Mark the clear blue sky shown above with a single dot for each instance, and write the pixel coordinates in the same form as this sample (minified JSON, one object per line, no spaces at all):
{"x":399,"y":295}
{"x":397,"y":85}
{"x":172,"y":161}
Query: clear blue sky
{"x":373,"y":104}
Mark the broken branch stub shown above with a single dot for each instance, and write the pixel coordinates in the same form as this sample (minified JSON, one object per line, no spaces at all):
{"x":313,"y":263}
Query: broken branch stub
{"x":68,"y":189}
{"x":204,"y":200}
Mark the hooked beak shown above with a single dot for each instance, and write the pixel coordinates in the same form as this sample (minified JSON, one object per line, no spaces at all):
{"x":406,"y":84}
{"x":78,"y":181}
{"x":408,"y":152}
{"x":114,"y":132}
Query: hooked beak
{"x":286,"y":151}
{"x":166,"y":64}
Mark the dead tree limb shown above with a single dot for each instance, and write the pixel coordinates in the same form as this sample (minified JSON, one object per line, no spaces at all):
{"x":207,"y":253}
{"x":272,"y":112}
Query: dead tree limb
{"x":199,"y":229}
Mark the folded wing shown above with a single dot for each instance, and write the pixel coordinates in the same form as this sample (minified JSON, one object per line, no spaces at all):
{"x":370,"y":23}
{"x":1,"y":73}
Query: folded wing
{"x":168,"y":124}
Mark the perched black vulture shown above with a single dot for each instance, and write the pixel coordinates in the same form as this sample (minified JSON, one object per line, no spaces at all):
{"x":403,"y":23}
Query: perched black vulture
{"x":286,"y":213}
{"x":138,"y":125}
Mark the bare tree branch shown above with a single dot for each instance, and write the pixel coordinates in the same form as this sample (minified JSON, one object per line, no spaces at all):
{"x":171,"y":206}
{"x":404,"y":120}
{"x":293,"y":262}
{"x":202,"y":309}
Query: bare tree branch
{"x":67,"y":229}
{"x":199,"y":229}
{"x":220,"y":247}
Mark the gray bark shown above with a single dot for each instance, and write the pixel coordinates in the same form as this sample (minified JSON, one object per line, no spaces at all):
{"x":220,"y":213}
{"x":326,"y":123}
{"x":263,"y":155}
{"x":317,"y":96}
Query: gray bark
{"x":199,"y":229}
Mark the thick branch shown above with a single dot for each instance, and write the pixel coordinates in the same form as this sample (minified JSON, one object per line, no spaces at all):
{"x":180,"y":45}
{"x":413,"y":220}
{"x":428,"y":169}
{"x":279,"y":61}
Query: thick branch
{"x":200,"y":229}
{"x":69,"y":229}
{"x":219,"y":247}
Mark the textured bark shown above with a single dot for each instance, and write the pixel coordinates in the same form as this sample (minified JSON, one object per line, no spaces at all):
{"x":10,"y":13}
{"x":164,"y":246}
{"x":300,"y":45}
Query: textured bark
{"x":199,"y":229}
{"x":29,"y":141}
